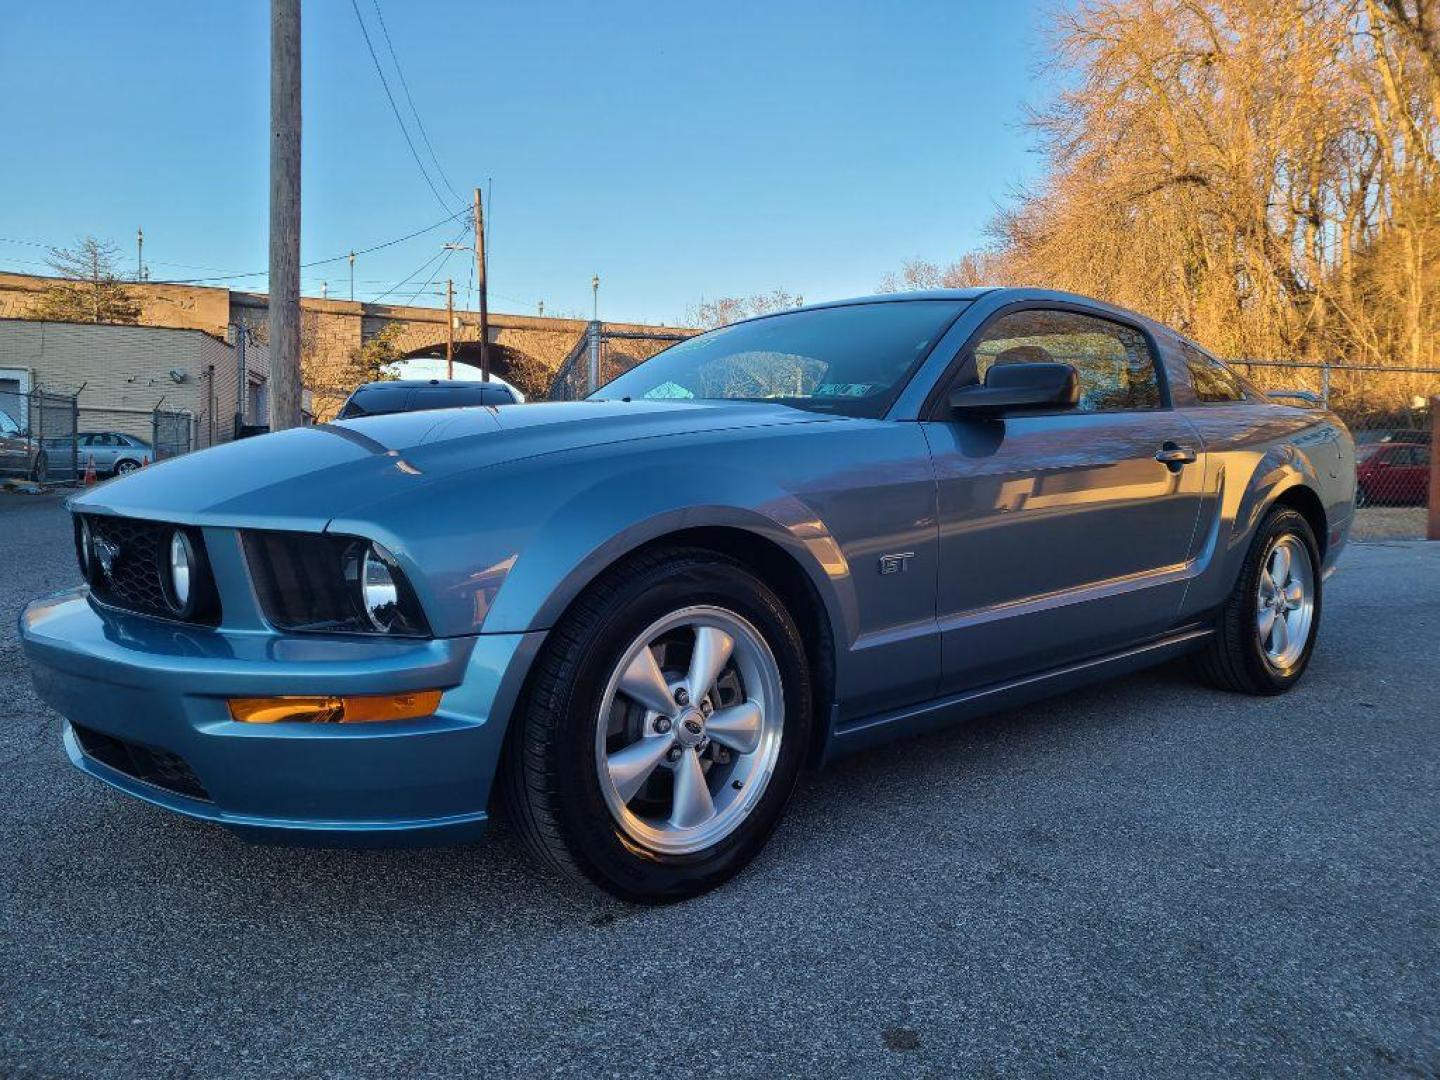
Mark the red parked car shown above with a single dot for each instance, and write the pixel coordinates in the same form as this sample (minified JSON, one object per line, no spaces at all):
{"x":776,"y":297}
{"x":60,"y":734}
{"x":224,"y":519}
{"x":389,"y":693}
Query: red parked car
{"x":1393,"y":474}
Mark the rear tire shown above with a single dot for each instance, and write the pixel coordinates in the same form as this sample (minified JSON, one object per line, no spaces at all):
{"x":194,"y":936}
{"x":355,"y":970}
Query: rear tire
{"x":627,"y":783}
{"x":1266,"y":630}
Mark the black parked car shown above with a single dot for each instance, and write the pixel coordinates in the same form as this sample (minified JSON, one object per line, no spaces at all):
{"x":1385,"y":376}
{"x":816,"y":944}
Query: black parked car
{"x":419,"y":395}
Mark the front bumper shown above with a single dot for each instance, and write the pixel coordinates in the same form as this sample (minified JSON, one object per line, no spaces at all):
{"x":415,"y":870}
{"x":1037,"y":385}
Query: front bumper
{"x":162,"y":687}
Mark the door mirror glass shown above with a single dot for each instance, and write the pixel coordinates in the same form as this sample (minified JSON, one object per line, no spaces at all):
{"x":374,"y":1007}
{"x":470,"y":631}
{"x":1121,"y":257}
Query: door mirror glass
{"x":1019,"y":386}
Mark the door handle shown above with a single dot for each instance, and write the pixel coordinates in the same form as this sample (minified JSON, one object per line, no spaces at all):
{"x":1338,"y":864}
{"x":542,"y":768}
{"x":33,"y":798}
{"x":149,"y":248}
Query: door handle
{"x":1175,"y":457}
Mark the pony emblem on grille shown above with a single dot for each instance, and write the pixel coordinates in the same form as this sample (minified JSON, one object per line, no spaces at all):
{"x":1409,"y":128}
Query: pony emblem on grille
{"x":105,"y":554}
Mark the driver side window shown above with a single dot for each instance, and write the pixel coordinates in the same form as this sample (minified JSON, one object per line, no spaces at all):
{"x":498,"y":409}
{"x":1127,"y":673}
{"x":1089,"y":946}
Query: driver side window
{"x":1116,"y":367}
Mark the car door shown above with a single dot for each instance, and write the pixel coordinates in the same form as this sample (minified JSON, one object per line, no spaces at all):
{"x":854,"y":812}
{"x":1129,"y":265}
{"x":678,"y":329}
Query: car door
{"x":1066,"y":534}
{"x":14,"y":449}
{"x":106,"y":447}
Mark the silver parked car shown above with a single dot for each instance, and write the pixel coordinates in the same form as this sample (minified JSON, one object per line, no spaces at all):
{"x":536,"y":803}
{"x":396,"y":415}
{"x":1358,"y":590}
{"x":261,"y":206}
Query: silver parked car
{"x":113,"y":451}
{"x":632,"y":620}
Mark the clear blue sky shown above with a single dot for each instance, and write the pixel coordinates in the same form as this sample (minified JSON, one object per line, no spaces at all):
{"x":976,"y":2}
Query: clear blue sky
{"x":678,"y":150}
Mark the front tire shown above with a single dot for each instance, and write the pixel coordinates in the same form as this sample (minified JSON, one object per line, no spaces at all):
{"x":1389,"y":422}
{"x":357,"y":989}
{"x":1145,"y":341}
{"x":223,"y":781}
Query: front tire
{"x":1266,"y":630}
{"x":663,"y":730}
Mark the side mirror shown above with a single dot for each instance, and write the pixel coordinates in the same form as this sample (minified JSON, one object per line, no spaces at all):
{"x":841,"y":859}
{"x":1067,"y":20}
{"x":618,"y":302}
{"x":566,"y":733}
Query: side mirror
{"x":1019,"y":386}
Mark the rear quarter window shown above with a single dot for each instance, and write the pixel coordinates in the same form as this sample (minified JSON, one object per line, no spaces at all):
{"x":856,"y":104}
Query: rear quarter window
{"x":1212,"y":381}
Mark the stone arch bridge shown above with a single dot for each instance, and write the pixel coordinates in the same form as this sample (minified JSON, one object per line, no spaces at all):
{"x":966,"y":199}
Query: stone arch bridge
{"x":525,"y":349}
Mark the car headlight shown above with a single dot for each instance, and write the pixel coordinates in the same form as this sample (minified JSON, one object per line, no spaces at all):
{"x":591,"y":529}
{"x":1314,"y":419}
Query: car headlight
{"x":379,"y":595}
{"x":338,"y":584}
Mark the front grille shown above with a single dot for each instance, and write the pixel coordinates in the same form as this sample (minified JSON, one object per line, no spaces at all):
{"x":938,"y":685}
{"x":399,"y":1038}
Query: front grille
{"x":158,"y":768}
{"x":136,"y":580}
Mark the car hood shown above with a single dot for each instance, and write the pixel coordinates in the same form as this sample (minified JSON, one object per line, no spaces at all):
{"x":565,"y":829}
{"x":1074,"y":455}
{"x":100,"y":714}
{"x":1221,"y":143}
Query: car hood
{"x":303,"y":477}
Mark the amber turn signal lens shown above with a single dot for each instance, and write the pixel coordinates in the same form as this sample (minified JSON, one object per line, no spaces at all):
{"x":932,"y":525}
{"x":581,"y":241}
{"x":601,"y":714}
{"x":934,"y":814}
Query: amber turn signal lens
{"x":336,"y":710}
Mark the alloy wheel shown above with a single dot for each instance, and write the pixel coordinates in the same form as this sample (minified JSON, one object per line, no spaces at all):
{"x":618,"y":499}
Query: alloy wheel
{"x":1285,"y":602}
{"x":689,"y":730}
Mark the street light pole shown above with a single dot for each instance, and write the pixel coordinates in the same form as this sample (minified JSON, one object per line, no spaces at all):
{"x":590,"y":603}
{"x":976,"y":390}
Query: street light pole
{"x":140,"y":254}
{"x":352,"y":276}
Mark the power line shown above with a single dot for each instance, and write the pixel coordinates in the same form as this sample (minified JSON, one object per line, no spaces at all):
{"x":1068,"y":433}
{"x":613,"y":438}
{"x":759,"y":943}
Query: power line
{"x":405,"y":85}
{"x":395,"y":108}
{"x":315,"y":262}
{"x":449,"y":254}
{"x":439,"y":256}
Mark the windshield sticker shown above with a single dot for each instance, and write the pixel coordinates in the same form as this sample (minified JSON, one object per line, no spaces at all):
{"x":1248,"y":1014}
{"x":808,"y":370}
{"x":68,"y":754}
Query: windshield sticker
{"x":844,"y":389}
{"x":669,"y":390}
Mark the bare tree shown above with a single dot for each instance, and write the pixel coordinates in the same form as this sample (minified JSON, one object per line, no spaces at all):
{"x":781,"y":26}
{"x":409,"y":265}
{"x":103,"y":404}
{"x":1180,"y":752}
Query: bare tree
{"x":728,"y":309}
{"x":1263,"y":174}
{"x":89,"y":290}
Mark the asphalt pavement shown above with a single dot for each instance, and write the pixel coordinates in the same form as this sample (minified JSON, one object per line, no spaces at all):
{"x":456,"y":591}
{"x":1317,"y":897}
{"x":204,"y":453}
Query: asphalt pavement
{"x":1145,"y":878}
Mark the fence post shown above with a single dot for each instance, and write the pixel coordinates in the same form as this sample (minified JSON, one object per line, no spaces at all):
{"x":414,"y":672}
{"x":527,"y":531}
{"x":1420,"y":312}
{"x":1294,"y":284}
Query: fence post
{"x":1433,"y":532}
{"x":1325,"y":383}
{"x":75,"y":435}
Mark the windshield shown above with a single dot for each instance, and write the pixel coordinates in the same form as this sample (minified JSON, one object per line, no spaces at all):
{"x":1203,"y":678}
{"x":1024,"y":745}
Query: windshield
{"x":853,"y":360}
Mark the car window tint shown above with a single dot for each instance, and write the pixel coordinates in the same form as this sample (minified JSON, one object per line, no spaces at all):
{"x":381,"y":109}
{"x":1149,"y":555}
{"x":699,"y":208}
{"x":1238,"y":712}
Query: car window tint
{"x":376,"y":400}
{"x":1212,"y":380}
{"x":452,"y":396}
{"x":1116,"y":368}
{"x":853,"y":359}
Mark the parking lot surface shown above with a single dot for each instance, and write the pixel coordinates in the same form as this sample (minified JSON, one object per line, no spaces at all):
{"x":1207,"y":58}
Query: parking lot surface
{"x":1144,"y":878}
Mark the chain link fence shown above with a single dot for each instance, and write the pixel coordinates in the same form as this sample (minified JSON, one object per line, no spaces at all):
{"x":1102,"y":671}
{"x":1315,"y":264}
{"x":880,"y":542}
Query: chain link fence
{"x":172,"y":433}
{"x":1390,"y":413}
{"x":603,"y":353}
{"x":37,"y":435}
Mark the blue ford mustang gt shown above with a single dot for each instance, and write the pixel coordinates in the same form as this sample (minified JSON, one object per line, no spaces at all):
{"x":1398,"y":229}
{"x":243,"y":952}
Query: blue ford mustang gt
{"x":631,"y":621}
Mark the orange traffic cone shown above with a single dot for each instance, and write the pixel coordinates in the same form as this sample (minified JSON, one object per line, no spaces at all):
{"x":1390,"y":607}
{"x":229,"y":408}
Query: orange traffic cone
{"x":90,"y":470}
{"x":145,"y":461}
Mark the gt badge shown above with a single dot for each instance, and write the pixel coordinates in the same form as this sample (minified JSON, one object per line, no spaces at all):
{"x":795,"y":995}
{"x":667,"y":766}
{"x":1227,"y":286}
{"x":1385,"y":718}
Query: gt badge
{"x":895,"y":564}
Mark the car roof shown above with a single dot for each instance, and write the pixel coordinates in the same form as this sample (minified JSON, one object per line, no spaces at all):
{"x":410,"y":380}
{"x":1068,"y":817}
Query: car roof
{"x":410,"y":384}
{"x":1000,"y":293}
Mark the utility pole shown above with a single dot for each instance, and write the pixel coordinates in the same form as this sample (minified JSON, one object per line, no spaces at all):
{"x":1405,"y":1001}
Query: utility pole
{"x":284,"y":214}
{"x":352,"y":276}
{"x":140,"y":254}
{"x":542,"y":309}
{"x":449,"y":328}
{"x":480,"y":280}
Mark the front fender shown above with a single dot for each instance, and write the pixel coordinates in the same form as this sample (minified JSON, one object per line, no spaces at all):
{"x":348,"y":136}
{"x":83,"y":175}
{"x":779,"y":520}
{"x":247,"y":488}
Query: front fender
{"x":495,"y":550}
{"x":624,"y":510}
